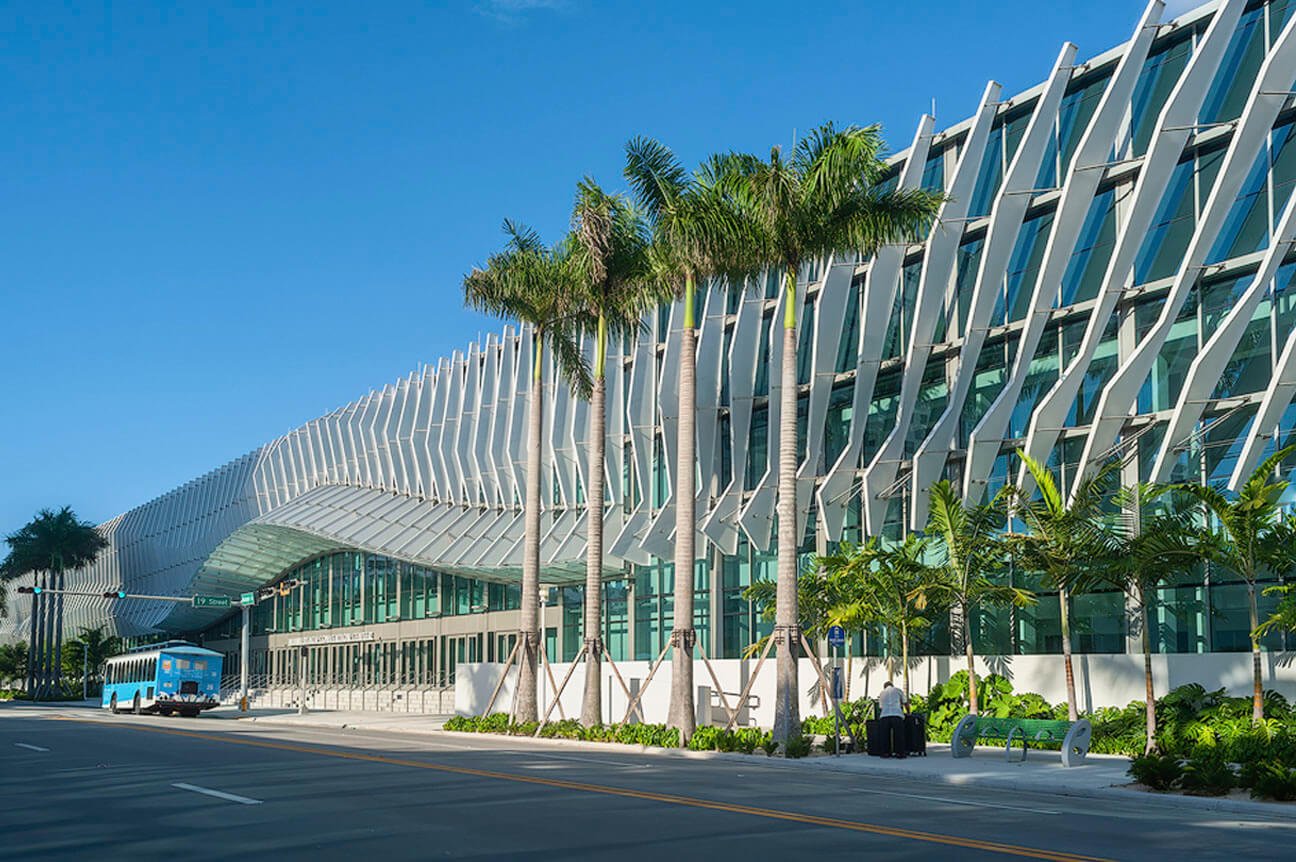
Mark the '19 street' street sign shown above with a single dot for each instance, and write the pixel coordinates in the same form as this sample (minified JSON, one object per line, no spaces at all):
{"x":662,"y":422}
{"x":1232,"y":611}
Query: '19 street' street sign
{"x":211,"y":601}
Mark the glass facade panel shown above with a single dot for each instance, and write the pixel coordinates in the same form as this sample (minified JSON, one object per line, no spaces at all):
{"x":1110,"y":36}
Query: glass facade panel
{"x":1242,"y":59}
{"x":1161,"y":72}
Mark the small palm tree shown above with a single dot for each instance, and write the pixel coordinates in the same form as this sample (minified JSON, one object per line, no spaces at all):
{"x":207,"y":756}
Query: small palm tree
{"x":1248,"y":539}
{"x":610,"y":252}
{"x":694,"y":235}
{"x":1158,"y":539}
{"x":536,"y":286}
{"x":87,"y":652}
{"x":49,"y":545}
{"x":1064,"y":539}
{"x":968,"y":552}
{"x":896,"y":593}
{"x":825,"y":201}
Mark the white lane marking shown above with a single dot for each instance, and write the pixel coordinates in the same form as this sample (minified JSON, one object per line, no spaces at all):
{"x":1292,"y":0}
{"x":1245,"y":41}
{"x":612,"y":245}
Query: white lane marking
{"x":30,"y":747}
{"x":218,"y":794}
{"x":959,"y":801}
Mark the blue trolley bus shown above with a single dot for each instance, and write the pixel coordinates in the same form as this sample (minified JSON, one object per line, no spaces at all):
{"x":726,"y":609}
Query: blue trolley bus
{"x":172,"y":677}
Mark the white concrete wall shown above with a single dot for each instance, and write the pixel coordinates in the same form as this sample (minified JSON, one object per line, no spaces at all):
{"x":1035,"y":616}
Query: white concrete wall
{"x":1101,"y":680}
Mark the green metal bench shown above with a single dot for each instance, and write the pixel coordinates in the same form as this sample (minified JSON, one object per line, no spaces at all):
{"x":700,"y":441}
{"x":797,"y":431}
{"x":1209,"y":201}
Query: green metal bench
{"x":1073,"y":736}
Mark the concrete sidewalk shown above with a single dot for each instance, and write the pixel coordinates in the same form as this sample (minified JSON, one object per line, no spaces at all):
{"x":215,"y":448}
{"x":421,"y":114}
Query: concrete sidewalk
{"x":386,"y":722}
{"x":1101,"y":776}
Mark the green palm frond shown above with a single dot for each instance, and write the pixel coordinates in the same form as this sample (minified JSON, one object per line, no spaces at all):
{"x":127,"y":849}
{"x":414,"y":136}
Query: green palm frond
{"x":824,"y":201}
{"x":539,"y":287}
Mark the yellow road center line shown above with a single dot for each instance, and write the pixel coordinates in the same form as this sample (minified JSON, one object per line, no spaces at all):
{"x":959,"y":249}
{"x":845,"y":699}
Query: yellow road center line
{"x":667,"y":798}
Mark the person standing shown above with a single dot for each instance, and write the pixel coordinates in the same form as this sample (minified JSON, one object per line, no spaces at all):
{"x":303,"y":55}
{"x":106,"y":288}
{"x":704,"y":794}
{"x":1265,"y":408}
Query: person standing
{"x":892,"y":706}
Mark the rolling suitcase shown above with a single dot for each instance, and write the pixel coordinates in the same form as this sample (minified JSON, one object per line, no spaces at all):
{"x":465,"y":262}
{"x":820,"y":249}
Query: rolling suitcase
{"x":873,"y":742}
{"x":916,"y":734}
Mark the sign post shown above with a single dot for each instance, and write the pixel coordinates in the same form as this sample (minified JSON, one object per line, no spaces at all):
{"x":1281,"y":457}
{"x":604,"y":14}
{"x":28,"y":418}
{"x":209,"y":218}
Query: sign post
{"x":836,"y":640}
{"x":245,"y":640}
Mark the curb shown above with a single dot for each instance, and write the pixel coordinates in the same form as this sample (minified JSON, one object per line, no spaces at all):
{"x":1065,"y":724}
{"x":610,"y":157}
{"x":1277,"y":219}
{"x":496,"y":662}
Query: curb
{"x":1112,"y":793}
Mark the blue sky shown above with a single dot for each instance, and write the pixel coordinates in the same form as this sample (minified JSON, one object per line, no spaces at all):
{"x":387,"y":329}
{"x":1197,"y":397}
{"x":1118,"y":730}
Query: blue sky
{"x":222,"y":220}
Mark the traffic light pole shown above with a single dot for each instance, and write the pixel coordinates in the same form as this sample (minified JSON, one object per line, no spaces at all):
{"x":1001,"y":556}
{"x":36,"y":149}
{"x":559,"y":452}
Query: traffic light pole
{"x":244,"y":645}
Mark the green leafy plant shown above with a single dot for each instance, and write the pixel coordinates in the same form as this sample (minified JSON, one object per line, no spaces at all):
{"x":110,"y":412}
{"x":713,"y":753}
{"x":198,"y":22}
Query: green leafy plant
{"x":1274,"y":781}
{"x":1207,"y":774}
{"x":797,"y":746}
{"x":1158,"y":771}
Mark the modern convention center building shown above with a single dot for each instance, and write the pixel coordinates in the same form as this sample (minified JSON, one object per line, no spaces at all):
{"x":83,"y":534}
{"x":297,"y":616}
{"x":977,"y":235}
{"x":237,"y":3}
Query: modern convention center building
{"x":1112,"y":276}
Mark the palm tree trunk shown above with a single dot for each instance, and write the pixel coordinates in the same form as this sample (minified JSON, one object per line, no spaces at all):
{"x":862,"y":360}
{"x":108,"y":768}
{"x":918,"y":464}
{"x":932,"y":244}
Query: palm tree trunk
{"x":1149,"y":689}
{"x":787,"y":714}
{"x":846,"y":685}
{"x":973,"y":705}
{"x":904,"y":657}
{"x":682,"y":713}
{"x":526,"y":707}
{"x":592,"y":705}
{"x":1257,"y":672}
{"x":1072,"y":712}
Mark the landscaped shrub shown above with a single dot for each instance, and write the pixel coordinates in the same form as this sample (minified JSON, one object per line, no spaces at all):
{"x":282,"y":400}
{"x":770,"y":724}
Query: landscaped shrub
{"x":797,"y":746}
{"x":1158,"y":771}
{"x":1274,"y":781}
{"x":769,"y":745}
{"x":1207,"y":774}
{"x":704,"y":739}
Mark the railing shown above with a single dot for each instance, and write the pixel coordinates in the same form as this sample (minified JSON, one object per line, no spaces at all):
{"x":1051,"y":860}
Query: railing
{"x":377,"y":697}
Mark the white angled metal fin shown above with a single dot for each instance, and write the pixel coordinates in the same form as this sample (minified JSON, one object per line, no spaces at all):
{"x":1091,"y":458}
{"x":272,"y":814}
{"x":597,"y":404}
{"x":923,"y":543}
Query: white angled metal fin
{"x":1078,"y":188}
{"x":1006,"y":217}
{"x":876,"y":299}
{"x":1271,"y":92}
{"x":937,"y":270}
{"x":1205,"y":371}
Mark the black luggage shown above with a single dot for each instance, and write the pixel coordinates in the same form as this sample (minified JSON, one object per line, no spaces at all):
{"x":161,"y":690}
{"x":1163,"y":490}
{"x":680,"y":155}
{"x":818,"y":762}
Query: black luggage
{"x":915,"y":734}
{"x":874,"y":744}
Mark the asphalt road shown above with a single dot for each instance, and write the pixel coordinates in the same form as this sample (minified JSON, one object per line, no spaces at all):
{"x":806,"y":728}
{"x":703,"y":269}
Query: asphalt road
{"x":77,"y":785}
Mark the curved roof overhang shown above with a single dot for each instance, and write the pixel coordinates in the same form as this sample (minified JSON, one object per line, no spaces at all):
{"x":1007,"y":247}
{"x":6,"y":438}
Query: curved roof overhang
{"x":478,"y":543}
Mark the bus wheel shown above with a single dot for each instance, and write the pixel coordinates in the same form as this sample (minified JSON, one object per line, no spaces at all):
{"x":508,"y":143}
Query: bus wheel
{"x":112,"y":705}
{"x":136,"y":707}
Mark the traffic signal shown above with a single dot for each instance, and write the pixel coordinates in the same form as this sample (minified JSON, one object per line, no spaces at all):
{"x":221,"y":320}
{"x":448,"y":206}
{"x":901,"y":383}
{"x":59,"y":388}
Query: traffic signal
{"x":32,"y":591}
{"x":286,"y":587}
{"x":115,"y":594}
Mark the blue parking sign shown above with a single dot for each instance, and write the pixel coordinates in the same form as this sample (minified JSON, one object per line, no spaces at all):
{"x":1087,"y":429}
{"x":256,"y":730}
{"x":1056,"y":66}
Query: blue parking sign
{"x":836,"y":636}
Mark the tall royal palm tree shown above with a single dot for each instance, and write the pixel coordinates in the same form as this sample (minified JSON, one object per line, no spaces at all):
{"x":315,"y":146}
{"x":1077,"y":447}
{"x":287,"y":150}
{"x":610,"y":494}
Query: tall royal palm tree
{"x":695,"y":235}
{"x":536,"y":285}
{"x":1249,"y":537}
{"x":826,"y":200}
{"x":1064,"y":539}
{"x":48,"y":546}
{"x":610,"y":251}
{"x":968,"y":553}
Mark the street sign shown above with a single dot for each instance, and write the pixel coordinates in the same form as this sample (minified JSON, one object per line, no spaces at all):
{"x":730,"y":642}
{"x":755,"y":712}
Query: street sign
{"x":836,"y":636}
{"x":248,"y":599}
{"x":211,"y":601}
